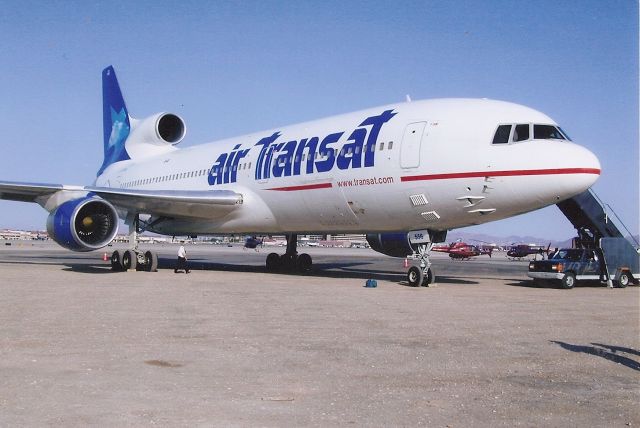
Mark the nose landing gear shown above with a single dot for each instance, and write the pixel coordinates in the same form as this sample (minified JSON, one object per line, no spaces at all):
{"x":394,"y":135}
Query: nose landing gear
{"x":422,"y":275}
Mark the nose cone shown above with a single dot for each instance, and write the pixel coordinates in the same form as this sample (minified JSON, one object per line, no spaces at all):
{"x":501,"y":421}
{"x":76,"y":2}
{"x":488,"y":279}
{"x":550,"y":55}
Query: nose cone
{"x":577,"y":168}
{"x":587,"y":166}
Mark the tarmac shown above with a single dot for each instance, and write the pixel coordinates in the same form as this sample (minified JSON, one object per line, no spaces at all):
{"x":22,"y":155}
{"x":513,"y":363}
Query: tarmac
{"x":231,"y":345}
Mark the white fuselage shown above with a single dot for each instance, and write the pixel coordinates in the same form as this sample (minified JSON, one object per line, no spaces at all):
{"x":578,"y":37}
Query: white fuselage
{"x":432,"y":165}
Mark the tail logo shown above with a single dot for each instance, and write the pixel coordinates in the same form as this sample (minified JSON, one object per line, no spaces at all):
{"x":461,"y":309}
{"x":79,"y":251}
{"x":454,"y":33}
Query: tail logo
{"x":119,"y":128}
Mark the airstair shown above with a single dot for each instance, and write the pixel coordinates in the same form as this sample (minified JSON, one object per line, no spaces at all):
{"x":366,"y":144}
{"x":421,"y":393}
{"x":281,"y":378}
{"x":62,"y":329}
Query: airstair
{"x":594,"y":219}
{"x":599,"y":227}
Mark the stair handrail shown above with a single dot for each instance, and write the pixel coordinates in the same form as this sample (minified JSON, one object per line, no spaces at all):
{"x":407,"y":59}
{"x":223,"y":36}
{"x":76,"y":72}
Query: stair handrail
{"x":606,"y":214}
{"x":625,"y":226}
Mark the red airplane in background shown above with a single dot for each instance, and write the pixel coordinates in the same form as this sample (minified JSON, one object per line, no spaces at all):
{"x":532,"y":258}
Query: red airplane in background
{"x":462,"y":250}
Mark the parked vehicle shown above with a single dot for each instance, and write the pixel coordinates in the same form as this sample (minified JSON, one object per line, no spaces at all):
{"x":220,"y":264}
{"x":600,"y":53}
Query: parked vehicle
{"x":614,"y":261}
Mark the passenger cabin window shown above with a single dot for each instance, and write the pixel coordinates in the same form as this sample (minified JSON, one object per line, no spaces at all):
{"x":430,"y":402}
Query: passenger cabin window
{"x":502,"y":134}
{"x":521,"y":133}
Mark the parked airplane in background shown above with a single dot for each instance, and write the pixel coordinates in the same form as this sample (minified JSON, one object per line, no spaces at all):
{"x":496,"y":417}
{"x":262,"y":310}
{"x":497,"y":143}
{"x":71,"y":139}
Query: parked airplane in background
{"x":404,"y":173}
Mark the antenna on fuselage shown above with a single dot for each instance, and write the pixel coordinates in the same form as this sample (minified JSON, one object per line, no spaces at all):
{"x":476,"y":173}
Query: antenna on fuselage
{"x":408,"y":97}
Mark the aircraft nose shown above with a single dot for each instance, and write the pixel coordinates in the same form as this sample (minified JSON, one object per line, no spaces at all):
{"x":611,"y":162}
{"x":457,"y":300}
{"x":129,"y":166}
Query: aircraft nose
{"x":590,"y":163}
{"x":584,"y":169}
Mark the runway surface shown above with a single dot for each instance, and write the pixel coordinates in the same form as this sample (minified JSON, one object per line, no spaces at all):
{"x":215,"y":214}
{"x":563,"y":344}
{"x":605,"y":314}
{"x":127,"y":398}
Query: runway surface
{"x":230,"y":345}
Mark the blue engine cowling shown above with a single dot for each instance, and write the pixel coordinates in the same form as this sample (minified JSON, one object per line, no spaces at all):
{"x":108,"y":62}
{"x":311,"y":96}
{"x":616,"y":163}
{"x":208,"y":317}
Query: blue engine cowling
{"x":397,"y":244}
{"x":84,"y":224}
{"x":390,"y":244}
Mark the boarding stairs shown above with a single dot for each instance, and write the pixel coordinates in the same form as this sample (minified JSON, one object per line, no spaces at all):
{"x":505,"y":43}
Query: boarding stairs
{"x":599,"y":227}
{"x":594,"y":219}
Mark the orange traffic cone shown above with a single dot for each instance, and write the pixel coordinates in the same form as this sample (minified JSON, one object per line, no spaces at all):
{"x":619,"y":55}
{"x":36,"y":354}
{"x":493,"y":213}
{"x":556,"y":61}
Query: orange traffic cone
{"x":105,"y":257}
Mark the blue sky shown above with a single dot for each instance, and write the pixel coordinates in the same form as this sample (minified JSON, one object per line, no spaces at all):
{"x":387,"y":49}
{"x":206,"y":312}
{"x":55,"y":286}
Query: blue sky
{"x":230,"y":68}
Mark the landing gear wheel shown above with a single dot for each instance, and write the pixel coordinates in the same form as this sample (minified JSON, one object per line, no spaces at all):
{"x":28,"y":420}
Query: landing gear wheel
{"x":150,"y":261}
{"x":623,"y":280}
{"x":116,"y":263}
{"x":273,"y":262}
{"x":429,"y":279}
{"x":304,"y":262}
{"x":129,"y":260}
{"x":415,"y":276}
{"x":568,"y":281}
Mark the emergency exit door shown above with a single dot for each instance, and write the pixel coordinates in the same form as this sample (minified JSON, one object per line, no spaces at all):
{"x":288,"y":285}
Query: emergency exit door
{"x":411,"y":142}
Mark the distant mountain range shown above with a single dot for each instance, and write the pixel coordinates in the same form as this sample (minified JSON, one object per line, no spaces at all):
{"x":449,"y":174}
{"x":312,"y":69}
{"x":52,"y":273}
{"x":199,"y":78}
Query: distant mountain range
{"x":481,"y":238}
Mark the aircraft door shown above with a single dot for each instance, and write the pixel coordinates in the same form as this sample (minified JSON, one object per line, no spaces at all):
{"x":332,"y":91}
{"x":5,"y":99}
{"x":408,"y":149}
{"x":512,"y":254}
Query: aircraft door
{"x":411,"y":143}
{"x":328,"y":207}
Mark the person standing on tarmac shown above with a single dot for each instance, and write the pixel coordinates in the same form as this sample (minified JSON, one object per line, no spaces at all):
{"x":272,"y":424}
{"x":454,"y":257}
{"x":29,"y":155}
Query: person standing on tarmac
{"x":182,"y":259}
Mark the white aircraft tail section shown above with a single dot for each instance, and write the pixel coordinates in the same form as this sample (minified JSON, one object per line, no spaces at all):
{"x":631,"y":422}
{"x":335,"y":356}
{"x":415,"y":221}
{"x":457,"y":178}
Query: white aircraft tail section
{"x":128,"y":138}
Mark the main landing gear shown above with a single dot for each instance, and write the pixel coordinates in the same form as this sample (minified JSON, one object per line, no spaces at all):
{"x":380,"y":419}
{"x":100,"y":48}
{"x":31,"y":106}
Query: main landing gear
{"x":133,"y":258}
{"x":423,"y":274}
{"x":289,"y":261}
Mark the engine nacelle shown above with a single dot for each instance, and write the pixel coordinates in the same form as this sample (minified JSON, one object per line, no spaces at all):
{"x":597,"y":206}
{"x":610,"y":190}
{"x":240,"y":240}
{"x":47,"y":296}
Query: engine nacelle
{"x":84,"y":224}
{"x":390,"y":244}
{"x":399,"y":244}
{"x":160,"y":129}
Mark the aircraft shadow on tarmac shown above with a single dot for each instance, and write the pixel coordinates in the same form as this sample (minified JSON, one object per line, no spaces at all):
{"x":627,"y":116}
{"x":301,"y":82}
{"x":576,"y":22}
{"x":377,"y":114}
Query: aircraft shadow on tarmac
{"x":330,"y":270}
{"x":70,"y":267}
{"x":353,"y":270}
{"x":453,"y":280}
{"x":86,"y":268}
{"x":608,"y":352}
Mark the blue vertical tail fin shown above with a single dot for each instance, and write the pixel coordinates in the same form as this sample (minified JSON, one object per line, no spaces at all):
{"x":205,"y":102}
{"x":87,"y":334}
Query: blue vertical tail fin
{"x":115,"y":119}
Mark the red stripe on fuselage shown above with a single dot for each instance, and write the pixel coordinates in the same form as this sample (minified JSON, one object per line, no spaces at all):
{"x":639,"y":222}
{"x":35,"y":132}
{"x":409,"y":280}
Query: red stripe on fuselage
{"x":304,"y":187}
{"x":513,"y":173}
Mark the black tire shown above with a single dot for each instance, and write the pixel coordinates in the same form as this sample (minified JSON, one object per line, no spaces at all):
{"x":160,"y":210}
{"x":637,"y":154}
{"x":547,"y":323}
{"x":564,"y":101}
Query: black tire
{"x":150,"y":261}
{"x":624,"y":279}
{"x":129,"y":260}
{"x":429,"y":279}
{"x":116,"y":261}
{"x":569,"y":281}
{"x":273,"y":262}
{"x":304,"y":262}
{"x":415,"y":276}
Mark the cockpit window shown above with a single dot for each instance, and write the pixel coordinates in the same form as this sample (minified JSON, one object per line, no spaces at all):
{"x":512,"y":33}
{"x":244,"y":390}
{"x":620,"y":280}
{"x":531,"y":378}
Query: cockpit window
{"x":565,"y":134}
{"x":502,"y":134}
{"x":521,"y":133}
{"x":547,"y":132}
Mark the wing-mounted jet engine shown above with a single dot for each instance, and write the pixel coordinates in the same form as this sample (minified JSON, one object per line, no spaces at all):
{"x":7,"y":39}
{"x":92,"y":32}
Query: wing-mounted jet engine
{"x":415,"y":245}
{"x":83,"y":224}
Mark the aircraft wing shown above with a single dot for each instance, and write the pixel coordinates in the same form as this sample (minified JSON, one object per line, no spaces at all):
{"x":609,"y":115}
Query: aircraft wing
{"x":173,"y":203}
{"x":28,"y":192}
